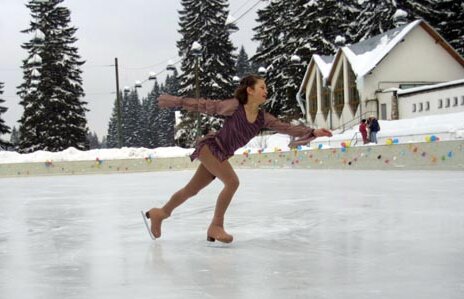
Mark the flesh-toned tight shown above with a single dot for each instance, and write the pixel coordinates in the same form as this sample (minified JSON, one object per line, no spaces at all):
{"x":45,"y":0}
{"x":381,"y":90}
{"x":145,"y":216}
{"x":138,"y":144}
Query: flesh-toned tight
{"x":209,"y":169}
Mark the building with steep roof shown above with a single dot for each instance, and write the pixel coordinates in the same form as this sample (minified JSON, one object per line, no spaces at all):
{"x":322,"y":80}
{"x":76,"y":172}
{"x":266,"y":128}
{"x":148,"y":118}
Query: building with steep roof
{"x":368,"y":78}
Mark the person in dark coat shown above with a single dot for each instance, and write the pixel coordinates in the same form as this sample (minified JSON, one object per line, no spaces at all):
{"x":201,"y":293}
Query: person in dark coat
{"x":374,"y":127}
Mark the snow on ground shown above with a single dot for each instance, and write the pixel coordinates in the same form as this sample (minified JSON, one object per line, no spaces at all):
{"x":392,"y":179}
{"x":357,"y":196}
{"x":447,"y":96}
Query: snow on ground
{"x":447,"y":126}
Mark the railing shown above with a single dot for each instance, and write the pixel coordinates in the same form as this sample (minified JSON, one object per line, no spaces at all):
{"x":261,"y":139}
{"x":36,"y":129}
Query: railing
{"x":351,"y":123}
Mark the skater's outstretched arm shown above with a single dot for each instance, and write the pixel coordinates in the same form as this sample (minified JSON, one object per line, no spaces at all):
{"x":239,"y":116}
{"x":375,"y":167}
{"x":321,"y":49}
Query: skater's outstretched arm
{"x":304,"y":134}
{"x":212,"y":107}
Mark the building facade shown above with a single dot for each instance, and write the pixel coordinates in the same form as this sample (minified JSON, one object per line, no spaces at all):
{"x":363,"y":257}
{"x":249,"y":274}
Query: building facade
{"x":373,"y":77}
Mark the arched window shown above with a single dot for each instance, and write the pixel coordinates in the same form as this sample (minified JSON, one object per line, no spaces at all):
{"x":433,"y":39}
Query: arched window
{"x":354,"y":95}
{"x":313,"y":100}
{"x":339,"y":93}
{"x":325,"y":102}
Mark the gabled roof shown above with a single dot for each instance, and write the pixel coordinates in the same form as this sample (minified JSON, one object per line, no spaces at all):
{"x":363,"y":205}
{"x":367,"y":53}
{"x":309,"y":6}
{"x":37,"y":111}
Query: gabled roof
{"x":322,"y":62}
{"x":366,"y":55}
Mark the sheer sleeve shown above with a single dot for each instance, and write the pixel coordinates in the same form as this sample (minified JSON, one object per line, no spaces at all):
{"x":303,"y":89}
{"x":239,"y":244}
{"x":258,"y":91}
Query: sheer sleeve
{"x":304,"y":133}
{"x":225,"y":107}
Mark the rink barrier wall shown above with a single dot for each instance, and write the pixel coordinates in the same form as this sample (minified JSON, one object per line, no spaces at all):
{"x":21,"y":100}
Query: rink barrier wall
{"x":443,"y":155}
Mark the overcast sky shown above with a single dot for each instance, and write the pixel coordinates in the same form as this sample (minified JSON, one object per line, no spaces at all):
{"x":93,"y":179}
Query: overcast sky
{"x":141,"y":33}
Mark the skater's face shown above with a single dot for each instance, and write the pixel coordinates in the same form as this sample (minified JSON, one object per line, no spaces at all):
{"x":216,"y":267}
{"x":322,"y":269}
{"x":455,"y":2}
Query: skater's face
{"x":258,"y":93}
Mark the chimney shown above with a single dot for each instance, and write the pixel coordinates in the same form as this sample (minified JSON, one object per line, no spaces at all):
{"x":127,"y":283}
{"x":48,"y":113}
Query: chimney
{"x":400,"y":18}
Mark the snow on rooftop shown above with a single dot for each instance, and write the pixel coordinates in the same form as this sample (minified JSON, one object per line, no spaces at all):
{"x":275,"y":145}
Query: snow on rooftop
{"x":324,"y":63}
{"x":365,"y":55}
{"x":432,"y":86}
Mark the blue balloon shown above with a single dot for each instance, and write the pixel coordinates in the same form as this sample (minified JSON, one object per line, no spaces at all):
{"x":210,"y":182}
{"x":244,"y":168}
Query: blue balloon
{"x":433,"y":138}
{"x":320,"y":146}
{"x":343,"y":149}
{"x":395,"y":141}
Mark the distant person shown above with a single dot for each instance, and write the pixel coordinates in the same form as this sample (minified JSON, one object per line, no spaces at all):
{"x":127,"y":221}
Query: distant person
{"x":244,"y":120}
{"x":374,"y":127}
{"x":363,"y":130}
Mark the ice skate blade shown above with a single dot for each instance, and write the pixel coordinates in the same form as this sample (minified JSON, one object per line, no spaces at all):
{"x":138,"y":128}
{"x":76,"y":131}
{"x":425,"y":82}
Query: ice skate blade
{"x":145,"y":217}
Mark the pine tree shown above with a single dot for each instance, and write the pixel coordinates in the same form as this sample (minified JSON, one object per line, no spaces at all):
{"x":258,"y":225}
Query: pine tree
{"x":204,"y":22}
{"x":92,"y":138}
{"x":449,"y":21}
{"x":54,"y":114}
{"x":243,"y":63}
{"x":131,"y":125}
{"x":153,"y":111}
{"x":166,"y":120}
{"x":14,"y":138}
{"x":112,"y":137}
{"x":4,"y":129}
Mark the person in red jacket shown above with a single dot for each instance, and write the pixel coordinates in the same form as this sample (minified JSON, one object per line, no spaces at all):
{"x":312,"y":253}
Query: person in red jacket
{"x":244,"y":120}
{"x":363,"y":130}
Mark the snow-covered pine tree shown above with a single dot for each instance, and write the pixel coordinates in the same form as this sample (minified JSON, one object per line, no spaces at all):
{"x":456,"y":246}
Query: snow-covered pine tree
{"x":446,"y":16}
{"x":4,"y":129}
{"x":294,"y":27}
{"x":131,"y":124}
{"x":14,"y":138}
{"x":204,"y":22}
{"x":243,"y":63}
{"x":166,"y":120}
{"x":272,"y":34}
{"x":112,"y":137}
{"x":93,"y":140}
{"x":152,"y":129}
{"x":51,"y":94}
{"x":450,"y":23}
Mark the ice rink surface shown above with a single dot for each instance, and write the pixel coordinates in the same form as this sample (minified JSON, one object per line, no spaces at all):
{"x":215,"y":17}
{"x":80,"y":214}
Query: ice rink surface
{"x":297,"y":234}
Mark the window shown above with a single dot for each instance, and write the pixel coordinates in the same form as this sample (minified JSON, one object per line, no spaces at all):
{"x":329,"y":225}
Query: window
{"x":414,"y":108}
{"x":462,"y":100}
{"x":427,"y":106}
{"x":339,"y":92}
{"x":455,"y":101}
{"x":354,"y":95}
{"x":313,"y":101}
{"x":421,"y":107}
{"x":448,"y":102}
{"x":440,"y":103}
{"x":325,"y":105}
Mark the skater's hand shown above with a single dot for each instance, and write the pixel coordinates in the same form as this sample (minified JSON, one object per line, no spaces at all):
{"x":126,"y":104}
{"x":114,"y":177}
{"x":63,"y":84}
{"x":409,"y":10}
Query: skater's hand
{"x":322,"y":133}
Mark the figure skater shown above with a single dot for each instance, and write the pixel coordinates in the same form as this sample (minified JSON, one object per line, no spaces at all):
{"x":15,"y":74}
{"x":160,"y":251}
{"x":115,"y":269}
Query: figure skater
{"x":244,"y":120}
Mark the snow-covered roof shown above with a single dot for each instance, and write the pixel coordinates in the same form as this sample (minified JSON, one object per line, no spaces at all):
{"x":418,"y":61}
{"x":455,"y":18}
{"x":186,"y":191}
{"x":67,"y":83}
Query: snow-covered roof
{"x":323,"y":63}
{"x":366,"y":55}
{"x":431,"y":87}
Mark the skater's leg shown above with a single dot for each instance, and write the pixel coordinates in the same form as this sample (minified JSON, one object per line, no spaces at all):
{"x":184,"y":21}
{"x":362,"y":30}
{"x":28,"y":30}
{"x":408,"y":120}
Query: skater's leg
{"x":224,"y":172}
{"x":200,"y":179}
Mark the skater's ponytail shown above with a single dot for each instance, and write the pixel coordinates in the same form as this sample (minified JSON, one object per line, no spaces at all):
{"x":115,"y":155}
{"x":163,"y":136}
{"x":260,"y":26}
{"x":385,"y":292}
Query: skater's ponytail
{"x":241,"y":92}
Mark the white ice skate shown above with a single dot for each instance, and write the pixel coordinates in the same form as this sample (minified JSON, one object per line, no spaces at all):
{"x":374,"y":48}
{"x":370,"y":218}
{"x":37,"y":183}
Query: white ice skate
{"x":147,"y":225}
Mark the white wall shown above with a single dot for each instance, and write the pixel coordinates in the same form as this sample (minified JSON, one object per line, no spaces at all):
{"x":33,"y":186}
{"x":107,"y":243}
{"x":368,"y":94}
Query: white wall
{"x":417,"y":59}
{"x":451,"y":94}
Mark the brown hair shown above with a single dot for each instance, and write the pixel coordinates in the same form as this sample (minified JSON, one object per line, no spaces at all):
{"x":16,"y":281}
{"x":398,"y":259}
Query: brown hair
{"x":241,"y":92}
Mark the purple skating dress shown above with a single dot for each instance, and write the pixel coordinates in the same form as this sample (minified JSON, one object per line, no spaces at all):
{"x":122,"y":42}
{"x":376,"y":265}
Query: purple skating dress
{"x":235,"y":133}
{"x":237,"y":130}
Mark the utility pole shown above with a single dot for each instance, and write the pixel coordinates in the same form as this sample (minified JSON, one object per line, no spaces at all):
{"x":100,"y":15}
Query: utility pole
{"x":197,"y":94}
{"x":118,"y":104}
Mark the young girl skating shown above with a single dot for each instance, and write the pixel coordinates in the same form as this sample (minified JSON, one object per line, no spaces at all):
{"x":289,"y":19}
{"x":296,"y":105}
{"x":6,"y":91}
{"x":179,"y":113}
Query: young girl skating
{"x":244,"y":120}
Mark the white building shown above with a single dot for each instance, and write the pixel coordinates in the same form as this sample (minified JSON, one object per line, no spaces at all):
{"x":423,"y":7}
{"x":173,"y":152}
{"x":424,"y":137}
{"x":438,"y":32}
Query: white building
{"x":374,"y":77}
